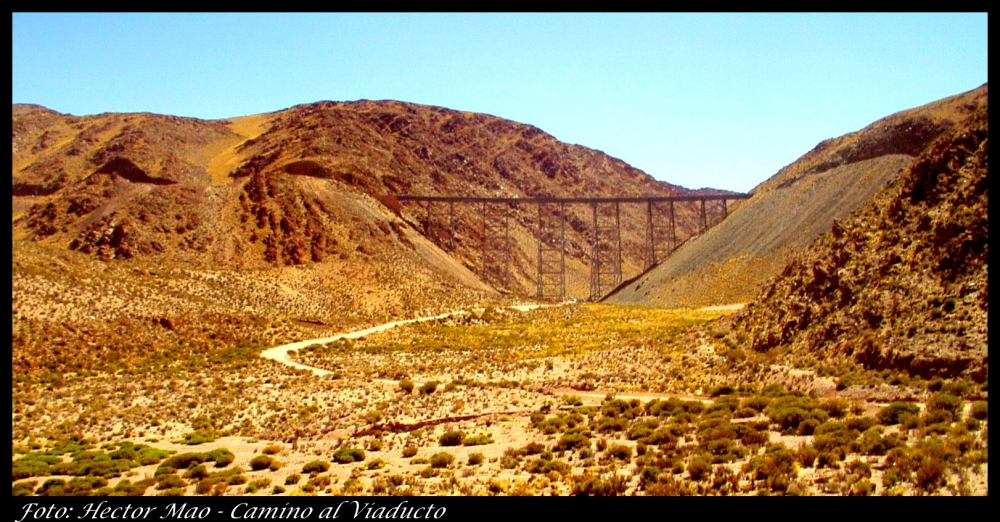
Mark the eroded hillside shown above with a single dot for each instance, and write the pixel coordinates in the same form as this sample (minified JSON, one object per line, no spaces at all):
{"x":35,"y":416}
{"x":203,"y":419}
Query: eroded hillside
{"x":902,"y":285}
{"x":733,"y":261}
{"x":295,"y":187}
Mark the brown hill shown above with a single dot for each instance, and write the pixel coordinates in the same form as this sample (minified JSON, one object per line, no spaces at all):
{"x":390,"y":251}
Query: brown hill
{"x":294,"y":187}
{"x":144,"y":233}
{"x":733,"y":261}
{"x":903,"y":283}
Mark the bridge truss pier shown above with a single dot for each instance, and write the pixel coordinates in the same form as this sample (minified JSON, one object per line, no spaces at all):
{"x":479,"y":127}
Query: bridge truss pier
{"x":433,"y":230}
{"x":495,"y":243}
{"x":606,"y":249}
{"x":661,"y":234}
{"x":551,"y":279}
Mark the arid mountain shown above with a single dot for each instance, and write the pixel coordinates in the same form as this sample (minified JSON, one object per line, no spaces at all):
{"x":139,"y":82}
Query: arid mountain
{"x":139,"y":233}
{"x":733,"y":261}
{"x":903,"y":283}
{"x":295,"y":187}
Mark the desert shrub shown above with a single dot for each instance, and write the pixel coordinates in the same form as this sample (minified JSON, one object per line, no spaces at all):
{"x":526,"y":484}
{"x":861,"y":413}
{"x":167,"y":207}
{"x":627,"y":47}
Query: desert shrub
{"x":717,"y":391}
{"x":316,"y":466}
{"x":196,"y":437}
{"x":136,"y":489}
{"x":478,"y":440}
{"x":648,"y":475}
{"x":294,"y":478}
{"x":451,"y":438}
{"x":665,"y":437}
{"x":930,"y":474}
{"x":619,"y":451}
{"x":935,"y":422}
{"x":861,"y":488}
{"x":572,"y":440}
{"x":615,"y":408}
{"x":23,"y":489}
{"x":891,"y":414}
{"x":724,"y":481}
{"x":197,"y":472}
{"x":610,"y":424}
{"x":429,"y":387}
{"x":277,"y":490}
{"x":254,"y":486}
{"x":169,"y":481}
{"x":757,"y":403}
{"x":861,"y":423}
{"x":374,"y":416}
{"x":510,"y":458}
{"x":980,"y":410}
{"x":545,"y":466}
{"x":442,"y":459}
{"x":532,"y":448}
{"x":318,"y":482}
{"x":203,"y":487}
{"x":668,"y":486}
{"x":828,"y":459}
{"x":221,"y":456}
{"x":375,"y":445}
{"x":806,"y":455}
{"x":476,"y":459}
{"x":835,"y":437}
{"x":51,"y":487}
{"x":144,"y":455}
{"x":836,"y":407}
{"x":643,"y":429}
{"x":409,"y":451}
{"x":945,"y":403}
{"x":80,"y":486}
{"x":699,"y":467}
{"x":376,"y":464}
{"x":348,"y":455}
{"x":32,"y":465}
{"x":789,"y":411}
{"x":172,"y":492}
{"x":774,"y":470}
{"x":185,"y":460}
{"x":572,"y":400}
{"x":261,"y":462}
{"x":592,"y":485}
{"x":406,"y":386}
{"x":272,"y":449}
{"x":958,"y":387}
{"x":751,"y":436}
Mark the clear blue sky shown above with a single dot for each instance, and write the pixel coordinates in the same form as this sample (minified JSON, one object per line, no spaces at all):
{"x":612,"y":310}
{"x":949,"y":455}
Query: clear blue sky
{"x":717,"y":100}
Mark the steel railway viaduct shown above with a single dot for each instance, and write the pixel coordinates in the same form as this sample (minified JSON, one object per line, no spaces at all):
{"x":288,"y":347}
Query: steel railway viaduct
{"x":550,"y":233}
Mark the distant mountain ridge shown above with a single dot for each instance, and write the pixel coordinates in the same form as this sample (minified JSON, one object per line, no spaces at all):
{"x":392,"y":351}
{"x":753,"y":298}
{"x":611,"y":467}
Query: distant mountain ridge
{"x":293,"y":187}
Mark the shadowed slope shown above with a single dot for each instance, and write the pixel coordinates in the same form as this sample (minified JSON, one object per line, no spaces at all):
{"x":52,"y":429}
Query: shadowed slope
{"x":733,"y":261}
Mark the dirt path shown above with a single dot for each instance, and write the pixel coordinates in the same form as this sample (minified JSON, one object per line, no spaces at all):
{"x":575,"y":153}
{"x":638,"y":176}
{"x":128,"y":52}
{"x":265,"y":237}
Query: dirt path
{"x":280,"y":353}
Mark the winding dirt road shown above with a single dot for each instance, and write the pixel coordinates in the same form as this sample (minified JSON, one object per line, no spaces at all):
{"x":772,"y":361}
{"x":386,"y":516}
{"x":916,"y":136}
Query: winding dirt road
{"x":280,"y":353}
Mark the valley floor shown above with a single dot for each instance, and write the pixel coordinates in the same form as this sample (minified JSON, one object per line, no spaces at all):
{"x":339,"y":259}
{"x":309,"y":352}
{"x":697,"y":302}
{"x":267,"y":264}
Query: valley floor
{"x":576,"y":399}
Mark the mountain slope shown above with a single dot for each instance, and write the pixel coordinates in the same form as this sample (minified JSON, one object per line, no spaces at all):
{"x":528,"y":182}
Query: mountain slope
{"x":294,"y":187}
{"x":733,"y":261}
{"x":903,"y":283}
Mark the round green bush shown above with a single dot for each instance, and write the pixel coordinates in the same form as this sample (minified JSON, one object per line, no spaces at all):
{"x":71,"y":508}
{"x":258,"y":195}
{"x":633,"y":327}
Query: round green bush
{"x":261,"y":462}
{"x":316,"y":466}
